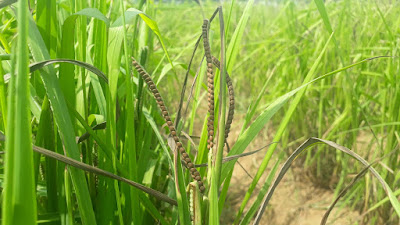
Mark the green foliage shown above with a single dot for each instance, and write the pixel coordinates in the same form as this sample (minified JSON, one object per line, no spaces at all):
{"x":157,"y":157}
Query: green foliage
{"x":301,"y":68}
{"x":19,"y":190}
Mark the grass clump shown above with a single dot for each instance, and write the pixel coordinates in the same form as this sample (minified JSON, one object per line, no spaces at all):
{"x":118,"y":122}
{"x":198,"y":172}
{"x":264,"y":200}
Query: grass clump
{"x":305,"y":68}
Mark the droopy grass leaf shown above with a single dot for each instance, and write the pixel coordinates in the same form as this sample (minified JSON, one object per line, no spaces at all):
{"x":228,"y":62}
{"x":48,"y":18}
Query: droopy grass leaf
{"x":264,"y":117}
{"x":310,"y":142}
{"x":349,"y":186}
{"x":38,"y":65}
{"x":131,"y":14}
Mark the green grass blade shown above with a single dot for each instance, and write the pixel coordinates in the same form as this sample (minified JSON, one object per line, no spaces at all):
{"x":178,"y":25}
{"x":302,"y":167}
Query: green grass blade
{"x":130,"y":135}
{"x":82,"y":84}
{"x":106,"y":187}
{"x":9,"y":156}
{"x":233,"y":47}
{"x":20,"y":189}
{"x":180,"y":187}
{"x":325,"y":18}
{"x":222,"y":95}
{"x":153,"y":125}
{"x":46,"y":21}
{"x":381,"y":202}
{"x":3,"y":103}
{"x":231,"y":56}
{"x":256,"y":205}
{"x":100,"y":41}
{"x":152,"y":209}
{"x":45,"y":138}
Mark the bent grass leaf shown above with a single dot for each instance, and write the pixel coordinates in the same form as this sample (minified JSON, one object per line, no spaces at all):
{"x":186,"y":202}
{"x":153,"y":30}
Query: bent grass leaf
{"x":38,"y":65}
{"x":131,"y":14}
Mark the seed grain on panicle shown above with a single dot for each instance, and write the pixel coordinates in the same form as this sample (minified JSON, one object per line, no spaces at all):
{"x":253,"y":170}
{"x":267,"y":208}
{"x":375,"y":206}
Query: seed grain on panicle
{"x":185,"y":157}
{"x":210,"y":84}
{"x":231,"y":93}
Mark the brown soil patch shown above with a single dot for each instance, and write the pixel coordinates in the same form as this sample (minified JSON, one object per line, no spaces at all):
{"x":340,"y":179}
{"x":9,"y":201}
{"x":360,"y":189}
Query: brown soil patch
{"x":296,"y":201}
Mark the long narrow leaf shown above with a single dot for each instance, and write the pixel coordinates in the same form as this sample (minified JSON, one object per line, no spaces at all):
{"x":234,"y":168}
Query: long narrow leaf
{"x":20,"y":183}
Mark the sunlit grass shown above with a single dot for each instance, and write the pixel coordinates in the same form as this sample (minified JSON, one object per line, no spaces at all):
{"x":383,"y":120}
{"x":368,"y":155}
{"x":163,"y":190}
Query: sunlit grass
{"x":297,"y":66}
